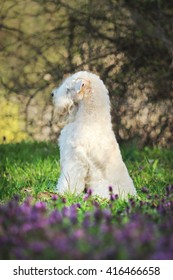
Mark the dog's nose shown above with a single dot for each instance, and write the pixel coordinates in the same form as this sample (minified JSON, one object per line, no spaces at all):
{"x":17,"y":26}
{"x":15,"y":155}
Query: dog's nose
{"x":52,"y":94}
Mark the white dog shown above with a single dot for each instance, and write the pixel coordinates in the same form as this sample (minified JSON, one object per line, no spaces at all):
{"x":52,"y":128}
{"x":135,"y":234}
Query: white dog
{"x":89,"y":153}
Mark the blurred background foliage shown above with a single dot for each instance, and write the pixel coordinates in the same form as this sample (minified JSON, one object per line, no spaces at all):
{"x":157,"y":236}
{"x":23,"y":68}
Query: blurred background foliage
{"x":128,"y":43}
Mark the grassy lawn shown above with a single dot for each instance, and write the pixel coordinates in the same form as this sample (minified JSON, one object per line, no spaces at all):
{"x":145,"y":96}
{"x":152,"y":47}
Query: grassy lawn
{"x":36,"y":223}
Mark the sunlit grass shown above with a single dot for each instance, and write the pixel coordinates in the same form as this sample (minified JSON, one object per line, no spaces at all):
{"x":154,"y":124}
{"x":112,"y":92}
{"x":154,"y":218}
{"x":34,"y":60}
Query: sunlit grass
{"x":33,"y":168}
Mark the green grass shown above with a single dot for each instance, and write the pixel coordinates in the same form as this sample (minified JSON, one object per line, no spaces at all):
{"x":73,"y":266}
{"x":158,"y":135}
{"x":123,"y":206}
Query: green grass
{"x":33,"y":169}
{"x":39,"y":225}
{"x":28,"y":168}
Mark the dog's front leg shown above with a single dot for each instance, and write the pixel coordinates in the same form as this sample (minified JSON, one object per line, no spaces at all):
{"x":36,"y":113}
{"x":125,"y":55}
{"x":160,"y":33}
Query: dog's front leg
{"x":72,"y":178}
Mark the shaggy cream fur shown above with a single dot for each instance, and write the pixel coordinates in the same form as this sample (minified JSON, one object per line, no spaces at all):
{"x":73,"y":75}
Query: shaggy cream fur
{"x":89,"y":153}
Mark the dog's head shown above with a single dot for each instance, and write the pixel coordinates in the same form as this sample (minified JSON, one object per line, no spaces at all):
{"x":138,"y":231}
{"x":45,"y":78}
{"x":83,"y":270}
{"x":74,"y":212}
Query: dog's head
{"x":69,"y":95}
{"x":82,"y":90}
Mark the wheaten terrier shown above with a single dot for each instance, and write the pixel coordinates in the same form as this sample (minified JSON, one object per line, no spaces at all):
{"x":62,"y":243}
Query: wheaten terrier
{"x":89,"y":153}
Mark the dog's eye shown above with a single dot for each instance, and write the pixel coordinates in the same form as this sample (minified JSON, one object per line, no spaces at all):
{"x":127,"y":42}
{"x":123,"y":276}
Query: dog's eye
{"x":68,"y":90}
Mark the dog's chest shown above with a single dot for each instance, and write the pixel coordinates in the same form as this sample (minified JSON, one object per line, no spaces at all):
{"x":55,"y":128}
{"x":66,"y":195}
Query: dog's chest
{"x":90,"y":138}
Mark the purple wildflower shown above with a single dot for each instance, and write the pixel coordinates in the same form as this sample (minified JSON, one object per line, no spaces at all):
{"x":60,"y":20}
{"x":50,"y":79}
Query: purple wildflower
{"x":134,"y":230}
{"x":112,"y":197}
{"x":89,"y":192}
{"x":40,"y":205}
{"x":78,"y":205}
{"x":79,"y":234}
{"x":37,"y":247}
{"x":55,"y":217}
{"x":54,"y":197}
{"x":95,"y":203}
{"x":145,"y":190}
{"x":63,"y":199}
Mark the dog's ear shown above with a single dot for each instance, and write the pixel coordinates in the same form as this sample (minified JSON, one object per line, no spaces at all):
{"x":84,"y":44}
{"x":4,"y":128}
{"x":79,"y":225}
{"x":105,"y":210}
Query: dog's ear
{"x":82,"y":89}
{"x":79,"y":87}
{"x":79,"y":84}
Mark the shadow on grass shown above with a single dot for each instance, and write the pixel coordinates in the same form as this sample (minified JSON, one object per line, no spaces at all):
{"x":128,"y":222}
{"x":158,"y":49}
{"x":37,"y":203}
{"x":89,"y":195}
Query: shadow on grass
{"x":28,"y":152}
